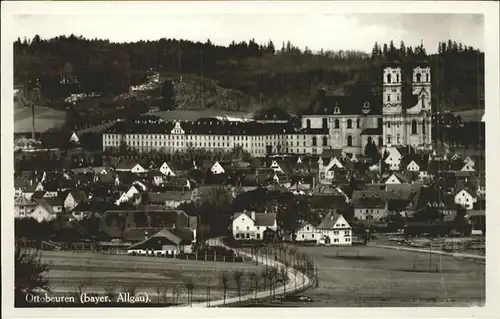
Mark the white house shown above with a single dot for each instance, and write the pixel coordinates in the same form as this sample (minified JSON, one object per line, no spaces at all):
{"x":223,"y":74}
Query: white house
{"x":465,"y":198}
{"x":396,"y":178}
{"x":307,"y":232}
{"x":128,"y":166}
{"x":74,"y":138}
{"x":217,"y":169}
{"x":468,"y":167}
{"x":166,"y":170}
{"x":251,"y":225}
{"x":335,"y":230}
{"x":42,"y":212}
{"x":73,"y":198}
{"x":470,"y":161}
{"x":393,"y":160}
{"x":413,"y":167}
{"x":276,"y":167}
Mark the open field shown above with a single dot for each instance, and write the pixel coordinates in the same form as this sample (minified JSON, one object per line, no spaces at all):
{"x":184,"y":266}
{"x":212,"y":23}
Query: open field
{"x":376,"y":277}
{"x":98,"y":272}
{"x":45,"y":118}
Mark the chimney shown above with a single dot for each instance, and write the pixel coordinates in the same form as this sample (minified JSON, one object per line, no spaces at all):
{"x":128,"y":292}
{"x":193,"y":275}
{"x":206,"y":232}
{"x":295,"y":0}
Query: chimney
{"x":253,"y":215}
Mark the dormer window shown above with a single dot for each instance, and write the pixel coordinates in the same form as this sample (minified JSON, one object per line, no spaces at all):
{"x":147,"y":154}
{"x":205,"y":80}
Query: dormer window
{"x":336,"y":110}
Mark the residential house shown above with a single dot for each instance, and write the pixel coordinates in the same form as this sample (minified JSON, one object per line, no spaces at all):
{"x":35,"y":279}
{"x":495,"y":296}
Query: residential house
{"x":251,"y":225}
{"x":73,"y":198}
{"x":23,"y":207}
{"x":54,"y":202}
{"x":392,"y":158}
{"x":130,"y":166}
{"x":165,"y":169}
{"x":335,"y":230}
{"x":170,"y":199}
{"x":74,"y":138}
{"x":217,"y":169}
{"x":42,"y":212}
{"x":31,"y":190}
{"x":370,"y":208}
{"x":396,"y":178}
{"x":466,"y":198}
{"x":164,"y":242}
{"x":307,"y":232}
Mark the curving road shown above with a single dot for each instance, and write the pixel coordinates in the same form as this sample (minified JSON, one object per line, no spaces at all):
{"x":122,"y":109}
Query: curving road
{"x":296,"y":281}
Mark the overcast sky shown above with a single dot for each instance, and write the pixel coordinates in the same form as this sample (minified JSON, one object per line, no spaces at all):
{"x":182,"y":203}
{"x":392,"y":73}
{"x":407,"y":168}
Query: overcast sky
{"x":316,"y":31}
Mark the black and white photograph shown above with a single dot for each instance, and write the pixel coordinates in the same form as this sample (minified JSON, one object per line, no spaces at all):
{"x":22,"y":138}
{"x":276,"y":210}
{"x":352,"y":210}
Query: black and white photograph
{"x":248,"y":155}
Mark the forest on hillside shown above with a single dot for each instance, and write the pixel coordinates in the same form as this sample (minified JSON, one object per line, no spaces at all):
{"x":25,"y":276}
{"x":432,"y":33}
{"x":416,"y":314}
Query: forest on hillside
{"x":285,"y":77}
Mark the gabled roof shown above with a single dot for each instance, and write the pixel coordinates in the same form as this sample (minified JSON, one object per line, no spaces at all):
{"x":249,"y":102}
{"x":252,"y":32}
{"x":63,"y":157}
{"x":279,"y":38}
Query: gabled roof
{"x":329,"y":221}
{"x":265,"y":219}
{"x":324,"y":104}
{"x":402,"y":179}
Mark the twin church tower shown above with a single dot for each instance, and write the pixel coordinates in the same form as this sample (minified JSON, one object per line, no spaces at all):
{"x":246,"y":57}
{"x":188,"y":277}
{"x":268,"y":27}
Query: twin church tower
{"x":406,"y":111}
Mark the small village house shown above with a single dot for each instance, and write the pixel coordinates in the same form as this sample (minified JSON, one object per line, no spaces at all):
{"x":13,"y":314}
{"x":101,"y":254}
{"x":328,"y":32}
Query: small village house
{"x":307,"y":232}
{"x":165,"y":242}
{"x":335,"y":230}
{"x":251,"y":225}
{"x":466,"y":198}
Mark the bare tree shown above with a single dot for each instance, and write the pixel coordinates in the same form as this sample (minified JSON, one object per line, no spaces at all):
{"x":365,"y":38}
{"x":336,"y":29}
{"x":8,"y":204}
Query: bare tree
{"x":264,"y":275}
{"x":292,"y":252}
{"x":285,"y":250}
{"x":256,"y":281}
{"x":209,"y":287}
{"x":224,"y":279}
{"x":274,"y":276}
{"x":238,"y":277}
{"x":188,"y":283}
{"x":175,"y":294}
{"x":158,"y":289}
{"x":164,"y":293}
{"x":284,"y":277}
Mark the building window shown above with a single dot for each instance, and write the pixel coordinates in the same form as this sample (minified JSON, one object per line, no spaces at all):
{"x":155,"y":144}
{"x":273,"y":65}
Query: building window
{"x":308,"y":123}
{"x":388,"y":139}
{"x":349,"y":140}
{"x":325,"y":123}
{"x":423,"y":128}
{"x":380,"y":141}
{"x":312,"y":235}
{"x":337,"y":124}
{"x":325,"y":141}
{"x":397,"y":78}
{"x":388,"y":78}
{"x":427,"y":77}
{"x":237,"y":227}
{"x":347,"y":233}
{"x":388,"y":124}
{"x":398,"y":139}
{"x":419,"y":77}
{"x":358,"y":123}
{"x":388,"y":97}
{"x":303,"y":236}
{"x":314,"y":141}
{"x":349,"y":123}
{"x":248,"y":228}
{"x":413,"y":127}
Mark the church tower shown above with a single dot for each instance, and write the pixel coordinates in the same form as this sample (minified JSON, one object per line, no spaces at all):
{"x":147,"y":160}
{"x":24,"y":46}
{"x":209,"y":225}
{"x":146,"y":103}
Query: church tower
{"x":392,"y":104}
{"x":419,"y":115}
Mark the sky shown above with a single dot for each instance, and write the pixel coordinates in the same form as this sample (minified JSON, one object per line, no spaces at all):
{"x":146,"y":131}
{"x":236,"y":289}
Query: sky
{"x":314,"y":30}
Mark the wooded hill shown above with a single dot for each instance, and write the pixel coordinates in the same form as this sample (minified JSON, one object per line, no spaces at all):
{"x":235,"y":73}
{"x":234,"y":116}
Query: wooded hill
{"x":261,"y":74}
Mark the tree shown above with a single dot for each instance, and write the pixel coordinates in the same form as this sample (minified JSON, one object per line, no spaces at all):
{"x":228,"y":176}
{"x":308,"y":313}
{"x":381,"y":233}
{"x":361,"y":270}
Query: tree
{"x":461,"y":212}
{"x":224,"y":279}
{"x":270,"y":47}
{"x":188,"y":283}
{"x":255,"y":279}
{"x":29,"y":274}
{"x":284,"y":278}
{"x":371,"y":151}
{"x":238,"y":277}
{"x":168,"y":95}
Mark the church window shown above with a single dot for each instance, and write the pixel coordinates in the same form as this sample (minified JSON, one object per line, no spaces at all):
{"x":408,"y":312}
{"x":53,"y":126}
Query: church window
{"x":427,"y":77}
{"x":397,"y":78}
{"x":349,"y":140}
{"x":380,"y":141}
{"x":337,"y":124}
{"x":388,"y":78}
{"x":308,"y":123}
{"x":423,"y":128}
{"x":388,"y":97}
{"x":336,"y":110}
{"x":358,"y":123}
{"x":349,"y":123}
{"x":419,"y":77}
{"x":314,"y":141}
{"x":325,"y":141}
{"x":325,"y":123}
{"x":388,"y":139}
{"x":413,"y":127}
{"x":397,"y":97}
{"x":389,"y":124}
{"x":398,"y":139}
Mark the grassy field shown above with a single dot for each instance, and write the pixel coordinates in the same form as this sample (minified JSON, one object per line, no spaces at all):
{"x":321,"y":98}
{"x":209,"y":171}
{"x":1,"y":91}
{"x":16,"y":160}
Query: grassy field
{"x":97,"y":272}
{"x":45,"y":118}
{"x":369,"y":276}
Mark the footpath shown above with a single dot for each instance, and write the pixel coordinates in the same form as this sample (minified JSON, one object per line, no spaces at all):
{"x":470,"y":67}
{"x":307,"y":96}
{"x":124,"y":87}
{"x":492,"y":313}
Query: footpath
{"x":297,"y":281}
{"x":436,"y":252}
